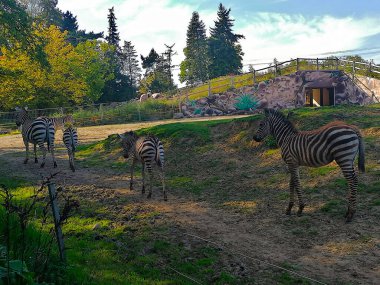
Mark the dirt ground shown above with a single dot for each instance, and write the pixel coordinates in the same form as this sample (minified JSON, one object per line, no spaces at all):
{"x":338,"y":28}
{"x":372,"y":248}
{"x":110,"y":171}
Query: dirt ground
{"x":335,"y":256}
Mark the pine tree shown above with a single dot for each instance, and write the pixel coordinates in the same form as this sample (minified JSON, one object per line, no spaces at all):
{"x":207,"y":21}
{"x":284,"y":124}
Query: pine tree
{"x":69,"y":22}
{"x":225,"y":52}
{"x":195,"y":66}
{"x":149,"y":62}
{"x":113,"y":37}
{"x":130,"y":63}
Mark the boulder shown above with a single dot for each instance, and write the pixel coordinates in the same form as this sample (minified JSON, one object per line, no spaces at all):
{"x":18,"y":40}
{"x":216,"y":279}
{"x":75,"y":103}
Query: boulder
{"x":143,"y":97}
{"x":156,"y":95}
{"x":178,"y":115}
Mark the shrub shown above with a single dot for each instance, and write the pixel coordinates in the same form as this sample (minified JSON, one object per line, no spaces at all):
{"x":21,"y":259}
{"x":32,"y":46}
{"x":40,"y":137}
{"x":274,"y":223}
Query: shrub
{"x":246,"y":102}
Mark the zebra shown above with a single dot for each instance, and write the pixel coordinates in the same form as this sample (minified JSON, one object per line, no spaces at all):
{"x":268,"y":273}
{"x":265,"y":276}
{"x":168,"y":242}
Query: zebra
{"x":147,"y":150}
{"x":335,"y":141}
{"x":36,"y":131}
{"x":59,"y":122}
{"x":70,"y":139}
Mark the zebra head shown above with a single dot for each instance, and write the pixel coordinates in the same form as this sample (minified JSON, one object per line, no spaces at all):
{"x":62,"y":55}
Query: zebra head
{"x":21,"y":115}
{"x":264,"y":127}
{"x":128,"y":141}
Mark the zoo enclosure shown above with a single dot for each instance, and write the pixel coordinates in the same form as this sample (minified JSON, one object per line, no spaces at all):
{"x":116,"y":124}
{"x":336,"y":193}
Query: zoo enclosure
{"x":134,"y":111}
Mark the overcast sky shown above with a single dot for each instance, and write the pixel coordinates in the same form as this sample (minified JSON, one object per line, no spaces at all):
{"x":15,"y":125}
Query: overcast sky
{"x":281,"y":29}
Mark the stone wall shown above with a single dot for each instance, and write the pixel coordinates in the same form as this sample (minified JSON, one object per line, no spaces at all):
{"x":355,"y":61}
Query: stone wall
{"x":286,"y":91}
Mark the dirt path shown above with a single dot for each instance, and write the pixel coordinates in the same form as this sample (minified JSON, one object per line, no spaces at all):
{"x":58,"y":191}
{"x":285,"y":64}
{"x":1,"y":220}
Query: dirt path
{"x":259,"y":236}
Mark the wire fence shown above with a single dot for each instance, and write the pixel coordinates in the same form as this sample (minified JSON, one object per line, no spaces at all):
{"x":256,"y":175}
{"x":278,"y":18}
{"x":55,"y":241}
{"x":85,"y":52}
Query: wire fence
{"x":134,"y":111}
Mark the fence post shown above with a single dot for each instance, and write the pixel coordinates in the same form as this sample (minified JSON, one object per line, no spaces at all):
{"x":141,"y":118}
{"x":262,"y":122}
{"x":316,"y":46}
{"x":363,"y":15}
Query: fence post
{"x":57,"y":218}
{"x":317,"y":63}
{"x":275,"y":70}
{"x":101,"y":111}
{"x":209,"y":87}
{"x":232,"y":80}
{"x":138,"y":110}
{"x":254,"y":76}
{"x":337,"y":63}
{"x":353,"y":69}
{"x":298,"y":64}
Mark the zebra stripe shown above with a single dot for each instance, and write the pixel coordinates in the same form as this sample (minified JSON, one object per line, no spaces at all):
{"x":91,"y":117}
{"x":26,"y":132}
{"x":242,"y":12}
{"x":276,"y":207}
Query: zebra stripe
{"x":59,"y":122}
{"x":149,"y":151}
{"x":36,"y":131}
{"x":70,"y":139}
{"x":335,"y":141}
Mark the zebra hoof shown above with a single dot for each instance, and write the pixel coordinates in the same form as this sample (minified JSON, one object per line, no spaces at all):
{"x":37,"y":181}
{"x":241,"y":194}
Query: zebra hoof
{"x":288,"y":211}
{"x":149,"y":196}
{"x":25,"y":161}
{"x":165,"y":198}
{"x":72,"y":168}
{"x":55,"y":164}
{"x":42,"y":164}
{"x":349,"y":215}
{"x":35,"y":160}
{"x":300,"y":209}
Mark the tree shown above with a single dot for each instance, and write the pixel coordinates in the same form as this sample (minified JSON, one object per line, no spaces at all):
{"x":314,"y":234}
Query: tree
{"x":43,"y":11}
{"x":195,"y":66}
{"x":130,"y":63}
{"x":167,"y":62}
{"x":225,"y":52}
{"x":149,"y":62}
{"x":76,"y":75}
{"x":75,"y":36}
{"x":16,"y":31}
{"x":113,"y":37}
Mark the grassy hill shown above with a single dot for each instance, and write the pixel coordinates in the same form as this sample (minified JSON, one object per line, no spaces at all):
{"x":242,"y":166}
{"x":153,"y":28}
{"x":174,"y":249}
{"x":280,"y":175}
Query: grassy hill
{"x":216,"y":163}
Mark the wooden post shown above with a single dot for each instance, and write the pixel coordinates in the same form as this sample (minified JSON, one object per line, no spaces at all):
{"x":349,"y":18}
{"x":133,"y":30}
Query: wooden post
{"x":209,"y":87}
{"x":138,"y":110}
{"x":353,"y":69}
{"x":275,"y":70}
{"x":232,"y":79}
{"x":298,"y":64}
{"x":337,"y":63}
{"x":101,"y":111}
{"x":57,"y":218}
{"x":317,"y":63}
{"x":254,"y":76}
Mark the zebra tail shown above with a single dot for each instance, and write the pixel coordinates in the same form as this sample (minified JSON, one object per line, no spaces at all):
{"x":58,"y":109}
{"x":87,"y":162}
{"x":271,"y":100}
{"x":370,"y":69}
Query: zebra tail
{"x":48,"y":139}
{"x":361,"y":159}
{"x":72,"y":142}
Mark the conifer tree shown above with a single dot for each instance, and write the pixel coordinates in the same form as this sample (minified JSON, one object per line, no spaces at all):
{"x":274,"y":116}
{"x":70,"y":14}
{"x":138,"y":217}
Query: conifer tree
{"x":130,"y":63}
{"x":224,"y":49}
{"x":113,"y":37}
{"x":195,"y":66}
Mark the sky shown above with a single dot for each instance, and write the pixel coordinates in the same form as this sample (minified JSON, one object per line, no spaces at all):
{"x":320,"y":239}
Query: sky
{"x":281,"y":29}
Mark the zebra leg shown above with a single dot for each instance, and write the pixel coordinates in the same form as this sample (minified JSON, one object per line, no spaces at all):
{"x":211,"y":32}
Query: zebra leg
{"x":143,"y":178}
{"x":352,"y":179}
{"x":291,"y":192}
{"x":162,"y":174}
{"x":150,"y":174}
{"x":44,"y":151}
{"x":295,"y":180}
{"x":27,"y":152}
{"x":131,"y":181}
{"x":52,"y":155}
{"x":35,"y":153}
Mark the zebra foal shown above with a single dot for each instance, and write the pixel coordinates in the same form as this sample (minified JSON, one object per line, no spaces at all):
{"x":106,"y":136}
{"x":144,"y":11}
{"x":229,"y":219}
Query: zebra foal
{"x":70,"y":139}
{"x":36,"y":131}
{"x":149,"y":151}
{"x":335,"y":141}
{"x":59,"y":122}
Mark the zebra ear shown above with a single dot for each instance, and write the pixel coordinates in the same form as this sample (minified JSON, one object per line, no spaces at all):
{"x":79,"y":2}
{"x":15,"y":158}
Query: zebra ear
{"x":26,"y":108}
{"x":17,"y":108}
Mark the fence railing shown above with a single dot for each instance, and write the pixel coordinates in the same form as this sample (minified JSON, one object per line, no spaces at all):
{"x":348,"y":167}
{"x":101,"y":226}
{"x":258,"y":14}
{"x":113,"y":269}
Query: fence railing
{"x":276,"y":69}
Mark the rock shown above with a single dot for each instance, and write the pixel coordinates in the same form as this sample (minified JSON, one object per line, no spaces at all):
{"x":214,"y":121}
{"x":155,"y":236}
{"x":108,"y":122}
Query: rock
{"x":156,"y":95}
{"x":143,"y":97}
{"x":178,"y":115}
{"x":202,"y":101}
{"x":95,"y":227}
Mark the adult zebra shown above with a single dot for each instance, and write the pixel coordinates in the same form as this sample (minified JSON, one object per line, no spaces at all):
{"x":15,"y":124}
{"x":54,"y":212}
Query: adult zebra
{"x":36,"y":131}
{"x":59,"y":122}
{"x":148,"y":150}
{"x":70,"y":139}
{"x":335,"y":141}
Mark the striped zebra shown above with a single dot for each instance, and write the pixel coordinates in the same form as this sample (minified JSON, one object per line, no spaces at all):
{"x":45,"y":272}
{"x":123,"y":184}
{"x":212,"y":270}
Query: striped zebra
{"x":335,"y":141}
{"x":59,"y":122}
{"x":148,"y":150}
{"x":36,"y":131}
{"x":70,"y":139}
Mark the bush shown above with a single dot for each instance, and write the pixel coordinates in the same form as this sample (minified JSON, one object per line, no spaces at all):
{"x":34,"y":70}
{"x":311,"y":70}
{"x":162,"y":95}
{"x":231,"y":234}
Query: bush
{"x":246,"y":102}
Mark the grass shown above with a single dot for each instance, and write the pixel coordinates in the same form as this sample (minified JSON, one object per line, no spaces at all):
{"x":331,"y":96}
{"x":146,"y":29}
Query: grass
{"x":114,"y":239}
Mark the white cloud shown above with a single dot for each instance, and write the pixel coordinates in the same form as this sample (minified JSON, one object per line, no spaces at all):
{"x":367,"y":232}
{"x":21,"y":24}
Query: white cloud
{"x":267,"y":35}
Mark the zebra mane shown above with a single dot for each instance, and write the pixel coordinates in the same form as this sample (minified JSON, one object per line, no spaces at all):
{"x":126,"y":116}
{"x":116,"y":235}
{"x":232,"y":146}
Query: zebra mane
{"x":281,"y":116}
